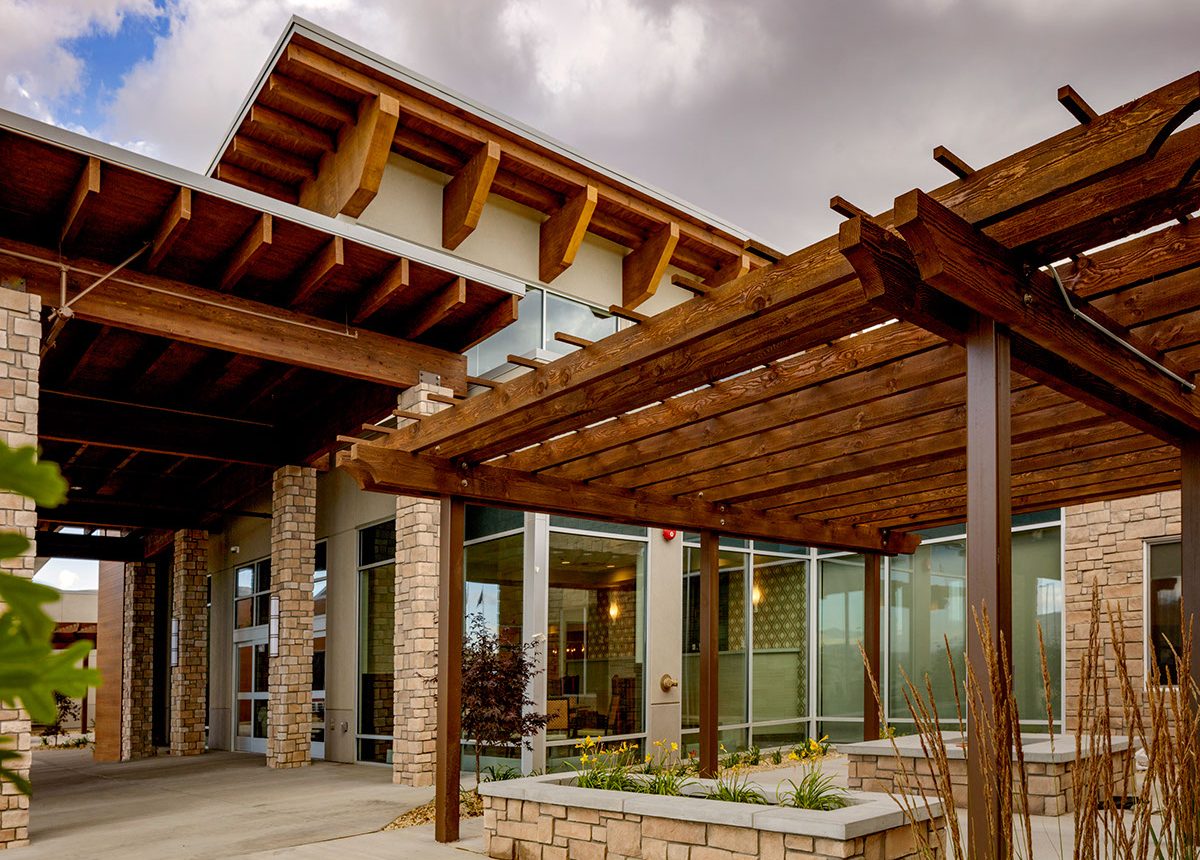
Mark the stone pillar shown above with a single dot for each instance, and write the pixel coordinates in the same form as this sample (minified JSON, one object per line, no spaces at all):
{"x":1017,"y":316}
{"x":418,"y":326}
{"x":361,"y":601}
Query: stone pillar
{"x":293,"y":552}
{"x":189,"y":621}
{"x":137,"y":667}
{"x":417,"y":559}
{"x":20,"y":341}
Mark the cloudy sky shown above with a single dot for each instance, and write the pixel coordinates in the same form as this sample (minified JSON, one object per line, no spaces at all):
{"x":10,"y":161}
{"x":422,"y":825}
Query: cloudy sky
{"x":759,"y":111}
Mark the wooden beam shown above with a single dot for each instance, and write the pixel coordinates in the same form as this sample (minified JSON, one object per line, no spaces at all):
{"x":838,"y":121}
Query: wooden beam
{"x":1137,"y":261}
{"x":304,"y":134}
{"x":436,"y":308}
{"x":1189,"y":530}
{"x":308,"y":100}
{"x":86,"y":189}
{"x":572,"y":340}
{"x":80,"y":419}
{"x":249,"y":247}
{"x":845,"y":208}
{"x":710,"y":689}
{"x":348,"y":178}
{"x":522,"y":361}
{"x":448,"y":743}
{"x":271,"y":160}
{"x":628,"y":314}
{"x":692,"y":285}
{"x":500,"y":315}
{"x":1075,"y":105}
{"x":952,"y":162}
{"x":377,"y":467}
{"x":102,"y":513}
{"x":464,"y":196}
{"x":562,"y":233}
{"x":1058,"y":349}
{"x":52,"y":544}
{"x":730,"y":271}
{"x":394,"y":280}
{"x":321,"y":266}
{"x":643,"y":268}
{"x":256,"y":182}
{"x":173,"y":223}
{"x":872,"y":617}
{"x":159,"y":306}
{"x":989,"y":574}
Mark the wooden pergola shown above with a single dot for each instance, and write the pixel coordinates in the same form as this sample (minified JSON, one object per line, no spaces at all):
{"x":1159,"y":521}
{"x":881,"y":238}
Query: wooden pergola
{"x":1012,"y":341}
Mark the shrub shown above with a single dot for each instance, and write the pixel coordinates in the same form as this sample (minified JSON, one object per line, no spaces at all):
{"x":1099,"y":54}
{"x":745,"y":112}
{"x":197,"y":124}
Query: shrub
{"x":736,"y":789}
{"x":815,"y":790}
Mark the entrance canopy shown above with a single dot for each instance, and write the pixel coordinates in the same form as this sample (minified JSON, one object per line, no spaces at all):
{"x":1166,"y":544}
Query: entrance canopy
{"x":821,"y":399}
{"x":204,"y":334}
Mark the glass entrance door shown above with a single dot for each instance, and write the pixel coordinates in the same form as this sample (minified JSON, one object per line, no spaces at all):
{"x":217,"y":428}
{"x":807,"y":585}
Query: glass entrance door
{"x":251,"y":685}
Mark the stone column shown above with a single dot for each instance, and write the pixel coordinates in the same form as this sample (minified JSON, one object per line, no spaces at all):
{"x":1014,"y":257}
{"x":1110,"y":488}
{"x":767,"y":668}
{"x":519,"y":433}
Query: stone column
{"x":137,"y":667}
{"x":293,"y":552}
{"x":20,"y":340}
{"x":417,"y":547}
{"x":189,"y":617}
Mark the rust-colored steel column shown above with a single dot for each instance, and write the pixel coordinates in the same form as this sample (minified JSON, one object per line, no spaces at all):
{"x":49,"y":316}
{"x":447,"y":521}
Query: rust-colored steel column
{"x":989,"y":555}
{"x":1189,"y":531}
{"x":873,"y":603}
{"x":710,"y":568}
{"x":448,"y":751}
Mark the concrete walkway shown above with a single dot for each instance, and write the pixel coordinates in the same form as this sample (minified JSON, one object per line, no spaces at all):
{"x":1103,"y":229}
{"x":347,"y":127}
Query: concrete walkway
{"x":221,"y":805}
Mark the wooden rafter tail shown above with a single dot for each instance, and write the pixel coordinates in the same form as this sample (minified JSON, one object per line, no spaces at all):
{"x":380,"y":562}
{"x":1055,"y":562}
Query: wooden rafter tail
{"x":572,"y":339}
{"x":692,"y":285}
{"x":409,"y":414}
{"x":170,"y":228}
{"x":391,"y":283}
{"x":320,"y":267}
{"x":483,"y":382}
{"x":464,"y":196}
{"x":952,"y":162}
{"x":252,"y":243}
{"x":378,"y":428}
{"x":643,"y":268}
{"x":846,"y":209}
{"x":86,"y":190}
{"x":1075,"y":105}
{"x":563,"y":232}
{"x":628,"y":314}
{"x":438,"y":397}
{"x":376,"y":467}
{"x":730,"y":271}
{"x":522,"y":361}
{"x":448,"y":299}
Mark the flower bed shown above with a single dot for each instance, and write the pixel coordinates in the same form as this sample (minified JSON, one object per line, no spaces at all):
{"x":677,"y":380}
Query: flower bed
{"x":552,"y":818}
{"x":1049,"y":768}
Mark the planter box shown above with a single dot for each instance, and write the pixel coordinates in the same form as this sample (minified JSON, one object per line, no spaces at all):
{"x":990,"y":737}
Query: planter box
{"x":1049,"y":768}
{"x":550,"y":818}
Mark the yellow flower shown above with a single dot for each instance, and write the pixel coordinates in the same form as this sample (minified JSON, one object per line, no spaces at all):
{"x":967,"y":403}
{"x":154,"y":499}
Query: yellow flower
{"x":793,"y":757}
{"x":658,"y":743}
{"x":674,"y":746}
{"x":648,"y":757}
{"x":583,"y":759}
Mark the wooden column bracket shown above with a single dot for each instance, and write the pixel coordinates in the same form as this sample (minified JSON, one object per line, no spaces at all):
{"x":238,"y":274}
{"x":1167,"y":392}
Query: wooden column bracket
{"x":464,"y":196}
{"x":174,"y":220}
{"x":320,"y":267}
{"x":1075,"y":104}
{"x":348,"y":178}
{"x":952,"y":162}
{"x":251,"y":244}
{"x":643,"y":267}
{"x":87,"y":188}
{"x":562,"y":233}
{"x":394,"y":280}
{"x":437,"y":307}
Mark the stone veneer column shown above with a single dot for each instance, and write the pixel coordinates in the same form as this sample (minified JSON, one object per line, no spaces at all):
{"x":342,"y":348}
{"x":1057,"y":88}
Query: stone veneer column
{"x":293,"y":553}
{"x":137,"y":666}
{"x":20,"y":340}
{"x":417,"y":547}
{"x":1105,"y":553}
{"x":189,"y":675}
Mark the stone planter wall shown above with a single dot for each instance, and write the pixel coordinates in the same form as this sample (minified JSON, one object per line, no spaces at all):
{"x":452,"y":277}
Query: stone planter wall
{"x":543,"y":819}
{"x":873,"y":766}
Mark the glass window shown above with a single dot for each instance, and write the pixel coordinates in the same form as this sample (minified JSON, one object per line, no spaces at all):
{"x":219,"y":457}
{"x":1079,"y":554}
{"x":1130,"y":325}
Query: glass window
{"x":840,"y":628}
{"x":494,"y":589}
{"x":320,"y":579}
{"x":481,"y":522}
{"x":565,"y":315}
{"x":1164,"y":628}
{"x":524,"y":335}
{"x":582,"y":524}
{"x":779,"y":597}
{"x":1037,"y":600}
{"x":596,"y":638}
{"x":252,"y":602}
{"x":377,"y":544}
{"x":376,"y":641}
{"x":732,"y":667}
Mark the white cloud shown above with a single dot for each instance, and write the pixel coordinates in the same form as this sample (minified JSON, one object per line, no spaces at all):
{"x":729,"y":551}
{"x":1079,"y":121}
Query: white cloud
{"x":37,"y":68}
{"x":69,"y":574}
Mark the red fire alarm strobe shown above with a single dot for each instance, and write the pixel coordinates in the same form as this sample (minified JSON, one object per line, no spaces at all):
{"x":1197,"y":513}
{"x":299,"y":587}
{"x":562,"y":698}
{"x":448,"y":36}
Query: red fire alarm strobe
{"x":669,"y":534}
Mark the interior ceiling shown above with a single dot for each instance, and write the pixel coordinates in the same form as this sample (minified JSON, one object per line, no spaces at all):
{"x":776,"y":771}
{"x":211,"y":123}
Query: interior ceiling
{"x":154,"y":432}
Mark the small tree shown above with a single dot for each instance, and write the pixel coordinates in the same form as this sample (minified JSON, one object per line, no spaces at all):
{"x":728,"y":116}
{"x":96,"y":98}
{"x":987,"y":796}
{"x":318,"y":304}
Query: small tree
{"x":495,"y":678}
{"x":31,"y":671}
{"x":66,"y":709}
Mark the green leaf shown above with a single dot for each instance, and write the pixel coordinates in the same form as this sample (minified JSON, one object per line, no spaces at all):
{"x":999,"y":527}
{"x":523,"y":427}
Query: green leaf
{"x":25,"y":599}
{"x":21,"y":472}
{"x":12,"y":544}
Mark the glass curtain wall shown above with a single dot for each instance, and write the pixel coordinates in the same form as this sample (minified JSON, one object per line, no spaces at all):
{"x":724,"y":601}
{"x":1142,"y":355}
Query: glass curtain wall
{"x":596,"y":635}
{"x":376,"y":641}
{"x":762,"y":639}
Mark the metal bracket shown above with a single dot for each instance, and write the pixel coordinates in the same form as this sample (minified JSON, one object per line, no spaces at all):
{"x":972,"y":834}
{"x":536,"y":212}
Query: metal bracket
{"x":424,"y":377}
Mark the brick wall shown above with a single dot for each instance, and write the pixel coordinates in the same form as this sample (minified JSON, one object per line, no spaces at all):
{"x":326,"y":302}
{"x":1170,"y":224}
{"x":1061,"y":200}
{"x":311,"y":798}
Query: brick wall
{"x":418,"y":523}
{"x":189,"y":676}
{"x":20,"y":340}
{"x":293,"y":552}
{"x":1105,"y":554}
{"x":137,"y":666}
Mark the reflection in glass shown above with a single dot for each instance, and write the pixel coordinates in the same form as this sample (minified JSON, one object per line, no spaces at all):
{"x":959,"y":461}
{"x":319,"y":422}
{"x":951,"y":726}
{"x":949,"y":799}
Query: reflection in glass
{"x":376,"y":659}
{"x":840,"y":630}
{"x":565,"y":315}
{"x":320,"y":580}
{"x":596,"y":638}
{"x":494,"y":589}
{"x":519,"y":338}
{"x":779,"y":597}
{"x":1166,"y":629}
{"x":1037,"y":600}
{"x":731,"y":639}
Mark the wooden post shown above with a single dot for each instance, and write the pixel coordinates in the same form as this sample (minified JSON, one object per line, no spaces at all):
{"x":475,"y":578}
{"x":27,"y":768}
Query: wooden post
{"x":710,"y":568}
{"x":989,"y":556}
{"x":873,"y":602}
{"x":448,"y":752}
{"x":1189,"y":532}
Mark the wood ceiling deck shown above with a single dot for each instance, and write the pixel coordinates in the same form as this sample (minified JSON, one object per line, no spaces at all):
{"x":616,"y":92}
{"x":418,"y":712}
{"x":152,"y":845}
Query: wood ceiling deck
{"x":157,"y":427}
{"x":792,"y":399}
